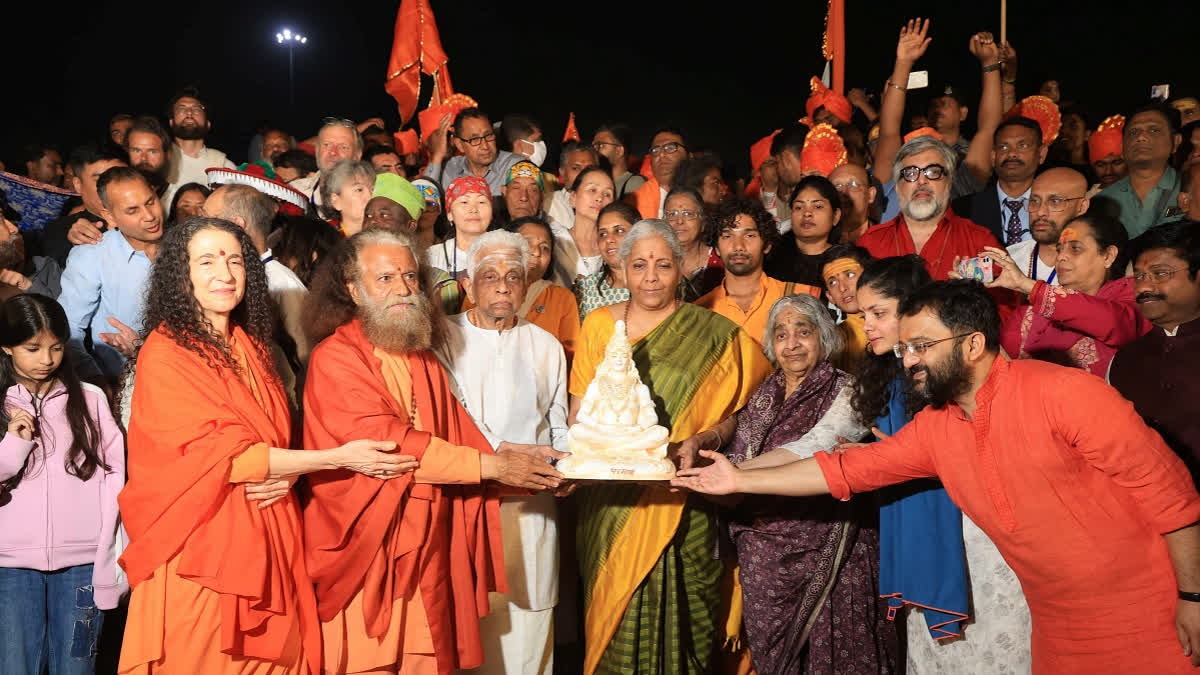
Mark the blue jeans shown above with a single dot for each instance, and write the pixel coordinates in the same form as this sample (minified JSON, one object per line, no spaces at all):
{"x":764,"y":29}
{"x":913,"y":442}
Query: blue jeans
{"x":48,"y":619}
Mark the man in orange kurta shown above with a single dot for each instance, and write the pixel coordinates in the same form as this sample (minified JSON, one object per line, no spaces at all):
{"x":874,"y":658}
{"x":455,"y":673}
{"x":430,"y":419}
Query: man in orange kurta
{"x":402,"y":567}
{"x":1090,"y":508}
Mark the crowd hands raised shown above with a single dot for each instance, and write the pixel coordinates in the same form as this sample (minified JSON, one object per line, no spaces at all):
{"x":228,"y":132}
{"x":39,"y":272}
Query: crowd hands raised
{"x":423,"y":318}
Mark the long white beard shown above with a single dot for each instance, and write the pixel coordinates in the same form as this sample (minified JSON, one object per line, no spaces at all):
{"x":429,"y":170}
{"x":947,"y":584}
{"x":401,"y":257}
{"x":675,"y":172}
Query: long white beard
{"x":922,"y":209}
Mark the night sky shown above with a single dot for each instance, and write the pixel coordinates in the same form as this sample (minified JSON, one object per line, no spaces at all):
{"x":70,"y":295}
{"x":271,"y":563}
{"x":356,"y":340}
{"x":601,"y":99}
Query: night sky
{"x":727,"y":76}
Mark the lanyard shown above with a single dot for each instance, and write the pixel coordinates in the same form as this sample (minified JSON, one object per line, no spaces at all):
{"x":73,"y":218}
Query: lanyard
{"x":1033,"y":263}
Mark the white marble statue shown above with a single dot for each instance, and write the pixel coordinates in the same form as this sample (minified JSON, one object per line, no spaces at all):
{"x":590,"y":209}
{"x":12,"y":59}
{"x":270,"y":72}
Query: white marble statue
{"x":616,"y":434}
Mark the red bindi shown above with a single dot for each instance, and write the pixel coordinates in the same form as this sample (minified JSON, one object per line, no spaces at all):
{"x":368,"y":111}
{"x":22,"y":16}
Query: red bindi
{"x":222,"y":252}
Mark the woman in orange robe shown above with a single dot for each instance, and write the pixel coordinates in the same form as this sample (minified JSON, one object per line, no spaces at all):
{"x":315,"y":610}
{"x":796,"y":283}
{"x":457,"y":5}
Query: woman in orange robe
{"x":215,"y":556}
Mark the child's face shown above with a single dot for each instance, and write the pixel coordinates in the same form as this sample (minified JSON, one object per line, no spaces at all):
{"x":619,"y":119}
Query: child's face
{"x":842,"y":289}
{"x":38,"y":358}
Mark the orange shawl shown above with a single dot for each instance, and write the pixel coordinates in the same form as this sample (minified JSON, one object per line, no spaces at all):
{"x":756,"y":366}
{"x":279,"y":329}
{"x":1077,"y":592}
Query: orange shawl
{"x":189,"y":422}
{"x":646,"y":198}
{"x":443,"y":538}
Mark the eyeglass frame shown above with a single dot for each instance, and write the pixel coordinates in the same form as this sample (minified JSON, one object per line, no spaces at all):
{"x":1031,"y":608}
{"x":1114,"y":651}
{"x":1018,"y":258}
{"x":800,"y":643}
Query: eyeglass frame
{"x":1050,"y":203}
{"x":194,"y":110}
{"x":476,"y":141}
{"x":850,"y":185}
{"x":656,"y":150}
{"x":681,"y":213}
{"x":923,"y":346}
{"x":1154,"y":273}
{"x":923,"y":170}
{"x":596,"y":145}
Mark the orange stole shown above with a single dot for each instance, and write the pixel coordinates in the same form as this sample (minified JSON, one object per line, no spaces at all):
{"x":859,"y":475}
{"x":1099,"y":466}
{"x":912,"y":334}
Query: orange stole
{"x":454,"y":555}
{"x":203,"y":560}
{"x":645,"y":199}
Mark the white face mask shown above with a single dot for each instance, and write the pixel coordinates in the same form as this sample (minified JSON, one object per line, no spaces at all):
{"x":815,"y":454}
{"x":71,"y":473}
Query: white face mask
{"x":539,"y":153}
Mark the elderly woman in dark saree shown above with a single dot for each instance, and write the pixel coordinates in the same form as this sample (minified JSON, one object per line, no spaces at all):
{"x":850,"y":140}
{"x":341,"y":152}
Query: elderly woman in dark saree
{"x":809,"y":566}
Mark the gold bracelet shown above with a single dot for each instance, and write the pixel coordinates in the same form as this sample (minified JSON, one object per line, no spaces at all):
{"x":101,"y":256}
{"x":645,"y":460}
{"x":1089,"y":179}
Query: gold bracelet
{"x":893,"y":85}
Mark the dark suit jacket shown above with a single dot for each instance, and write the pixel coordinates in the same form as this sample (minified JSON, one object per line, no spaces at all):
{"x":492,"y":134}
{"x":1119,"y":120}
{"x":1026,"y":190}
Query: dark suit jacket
{"x":983,"y":208}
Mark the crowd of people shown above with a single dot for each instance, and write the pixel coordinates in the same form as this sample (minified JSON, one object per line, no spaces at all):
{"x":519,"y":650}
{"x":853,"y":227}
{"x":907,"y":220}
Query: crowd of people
{"x":301,"y":414}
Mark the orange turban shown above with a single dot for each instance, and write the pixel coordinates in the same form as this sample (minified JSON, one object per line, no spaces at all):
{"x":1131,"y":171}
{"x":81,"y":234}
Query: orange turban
{"x":923,"y":131}
{"x":824,"y":97}
{"x":406,"y":142}
{"x":429,"y":118}
{"x":1042,"y":110}
{"x":823,"y":150}
{"x":759,"y":153}
{"x":1106,"y":139}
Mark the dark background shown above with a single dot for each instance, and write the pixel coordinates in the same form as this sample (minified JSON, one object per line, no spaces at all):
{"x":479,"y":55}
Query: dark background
{"x":728,"y":74}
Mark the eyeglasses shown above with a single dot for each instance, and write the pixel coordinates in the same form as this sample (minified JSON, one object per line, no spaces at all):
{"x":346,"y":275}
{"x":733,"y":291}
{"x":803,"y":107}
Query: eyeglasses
{"x":338,"y":121}
{"x":598,"y":146}
{"x":849,"y":186}
{"x":1053,"y":202}
{"x":919,"y":348}
{"x":1157,"y":276}
{"x":669,"y":148}
{"x":194,"y":110}
{"x":682,"y":215}
{"x":932,"y":172}
{"x":474,"y":142}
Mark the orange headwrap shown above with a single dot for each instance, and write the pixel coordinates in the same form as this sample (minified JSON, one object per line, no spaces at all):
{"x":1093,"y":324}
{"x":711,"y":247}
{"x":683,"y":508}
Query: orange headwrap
{"x":923,"y":131}
{"x":823,"y":150}
{"x":1042,"y":110}
{"x":824,"y":97}
{"x":429,"y":118}
{"x":759,"y":153}
{"x":406,"y":142}
{"x":1106,"y":139}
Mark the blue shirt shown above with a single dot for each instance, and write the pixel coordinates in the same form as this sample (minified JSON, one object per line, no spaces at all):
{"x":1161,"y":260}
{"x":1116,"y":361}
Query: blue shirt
{"x":456,"y":167}
{"x":101,"y":281}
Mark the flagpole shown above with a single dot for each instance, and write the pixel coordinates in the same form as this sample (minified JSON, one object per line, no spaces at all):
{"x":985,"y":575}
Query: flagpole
{"x":1003,"y":22}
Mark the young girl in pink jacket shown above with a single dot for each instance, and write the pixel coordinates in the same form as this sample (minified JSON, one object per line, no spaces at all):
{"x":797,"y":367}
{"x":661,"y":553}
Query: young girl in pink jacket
{"x":62,"y":463}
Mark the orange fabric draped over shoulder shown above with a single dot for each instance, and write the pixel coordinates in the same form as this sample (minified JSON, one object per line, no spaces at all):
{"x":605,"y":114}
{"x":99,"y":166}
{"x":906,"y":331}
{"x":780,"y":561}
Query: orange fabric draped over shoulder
{"x":190,"y":424}
{"x":442,"y":539}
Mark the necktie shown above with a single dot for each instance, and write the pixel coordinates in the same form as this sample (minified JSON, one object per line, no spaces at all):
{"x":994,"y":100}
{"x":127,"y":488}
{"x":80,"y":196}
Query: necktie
{"x":1013,"y":232}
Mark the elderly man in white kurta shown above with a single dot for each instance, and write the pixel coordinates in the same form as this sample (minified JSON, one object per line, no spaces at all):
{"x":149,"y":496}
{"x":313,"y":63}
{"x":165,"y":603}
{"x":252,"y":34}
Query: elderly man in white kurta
{"x":511,"y":376}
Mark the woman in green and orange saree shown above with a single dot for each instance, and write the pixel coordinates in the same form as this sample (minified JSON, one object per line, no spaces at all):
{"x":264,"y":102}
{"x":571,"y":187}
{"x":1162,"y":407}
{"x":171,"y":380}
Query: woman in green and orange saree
{"x":651,"y":583}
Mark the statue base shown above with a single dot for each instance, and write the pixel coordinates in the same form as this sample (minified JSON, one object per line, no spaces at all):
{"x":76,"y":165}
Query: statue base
{"x":632,"y":469}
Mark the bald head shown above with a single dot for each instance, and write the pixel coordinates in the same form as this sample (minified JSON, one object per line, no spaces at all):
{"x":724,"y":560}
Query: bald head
{"x":1057,"y":198}
{"x":858,"y":195}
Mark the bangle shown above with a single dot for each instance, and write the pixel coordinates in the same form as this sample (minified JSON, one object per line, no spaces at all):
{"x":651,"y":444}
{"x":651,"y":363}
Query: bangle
{"x":1190,"y":597}
{"x":1012,"y":81}
{"x":893,"y":85}
{"x":993,"y":67}
{"x":720,"y":441}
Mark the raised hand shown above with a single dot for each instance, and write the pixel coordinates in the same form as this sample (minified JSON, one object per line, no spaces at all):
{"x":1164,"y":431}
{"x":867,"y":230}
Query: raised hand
{"x":20,"y":423}
{"x":913,"y":41}
{"x":1010,"y":276}
{"x":125,"y":340}
{"x":438,"y":140}
{"x":1008,"y":54}
{"x":15,"y":279}
{"x":984,"y":47}
{"x":857,"y":98}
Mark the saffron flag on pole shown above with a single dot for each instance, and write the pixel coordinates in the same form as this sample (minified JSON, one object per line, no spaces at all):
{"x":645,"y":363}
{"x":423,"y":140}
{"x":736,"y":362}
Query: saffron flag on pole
{"x":416,"y":49}
{"x":833,"y":44}
{"x":571,"y":134}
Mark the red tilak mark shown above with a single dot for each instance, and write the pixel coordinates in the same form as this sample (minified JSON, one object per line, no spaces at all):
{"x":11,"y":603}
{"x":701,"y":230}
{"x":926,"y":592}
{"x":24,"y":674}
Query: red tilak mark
{"x":222,"y":252}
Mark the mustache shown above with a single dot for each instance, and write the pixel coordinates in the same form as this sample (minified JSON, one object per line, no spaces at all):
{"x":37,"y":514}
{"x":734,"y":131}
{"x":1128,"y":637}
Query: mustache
{"x":1018,"y":162}
{"x":1143,"y":297}
{"x":913,"y":370}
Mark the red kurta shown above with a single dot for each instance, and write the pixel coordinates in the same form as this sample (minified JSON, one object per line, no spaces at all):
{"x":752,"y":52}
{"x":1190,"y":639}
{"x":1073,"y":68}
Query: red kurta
{"x":1076,"y":492}
{"x":1075,"y":329}
{"x":954,"y":236}
{"x":443,"y":541}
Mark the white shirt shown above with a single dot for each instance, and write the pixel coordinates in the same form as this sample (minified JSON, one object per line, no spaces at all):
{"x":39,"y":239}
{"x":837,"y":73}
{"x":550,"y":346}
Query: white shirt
{"x":513,"y":383}
{"x":662,"y":201}
{"x":190,"y":169}
{"x":568,"y":264}
{"x":1023,"y":252}
{"x":560,"y":209}
{"x":289,"y":293}
{"x":447,"y":257}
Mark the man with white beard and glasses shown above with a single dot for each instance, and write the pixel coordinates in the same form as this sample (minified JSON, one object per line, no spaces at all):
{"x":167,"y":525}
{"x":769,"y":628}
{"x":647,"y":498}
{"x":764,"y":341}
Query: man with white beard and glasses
{"x":401,"y":567}
{"x":924,"y":171}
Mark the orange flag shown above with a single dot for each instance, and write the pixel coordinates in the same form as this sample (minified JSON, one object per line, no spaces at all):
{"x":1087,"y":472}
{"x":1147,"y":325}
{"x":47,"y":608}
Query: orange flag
{"x":571,"y":134}
{"x":833,"y":44}
{"x":416,"y":49}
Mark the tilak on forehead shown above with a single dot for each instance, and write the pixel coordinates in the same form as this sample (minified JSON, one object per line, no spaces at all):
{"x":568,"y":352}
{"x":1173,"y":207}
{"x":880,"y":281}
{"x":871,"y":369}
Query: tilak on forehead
{"x":1068,"y":234}
{"x":836,"y":267}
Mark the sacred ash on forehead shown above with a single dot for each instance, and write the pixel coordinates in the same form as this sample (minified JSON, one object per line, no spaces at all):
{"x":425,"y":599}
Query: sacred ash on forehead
{"x":617,"y":435}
